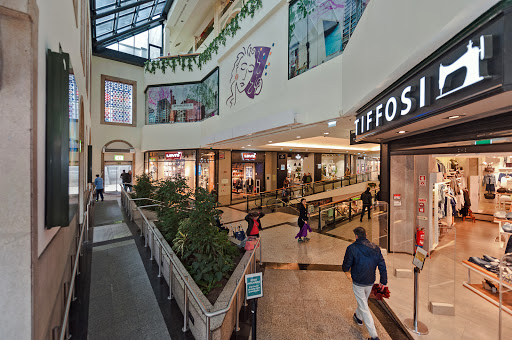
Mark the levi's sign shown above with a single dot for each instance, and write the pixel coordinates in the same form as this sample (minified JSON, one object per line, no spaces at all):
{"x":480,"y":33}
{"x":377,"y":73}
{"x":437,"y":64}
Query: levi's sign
{"x":249,"y":156}
{"x":465,"y":66}
{"x":173,"y":155}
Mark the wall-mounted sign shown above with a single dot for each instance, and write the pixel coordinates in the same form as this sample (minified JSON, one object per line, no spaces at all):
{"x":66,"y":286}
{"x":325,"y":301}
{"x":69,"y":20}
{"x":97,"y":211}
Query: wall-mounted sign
{"x":119,"y":157}
{"x":421,"y":210}
{"x":397,"y":203}
{"x":423,"y":181}
{"x":174,"y":155}
{"x":253,"y":286}
{"x":397,"y":196}
{"x":186,"y":106}
{"x":422,"y":200}
{"x":469,"y":67}
{"x":222,"y":155}
{"x":249,"y":156}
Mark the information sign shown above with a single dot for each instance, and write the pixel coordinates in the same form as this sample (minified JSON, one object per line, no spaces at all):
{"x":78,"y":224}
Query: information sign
{"x":253,"y":286}
{"x":419,"y":258}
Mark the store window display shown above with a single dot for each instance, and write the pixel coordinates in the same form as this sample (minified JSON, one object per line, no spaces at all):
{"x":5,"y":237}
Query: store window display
{"x":163,"y":165}
{"x":295,"y":169}
{"x":247,"y":173}
{"x":206,"y":170}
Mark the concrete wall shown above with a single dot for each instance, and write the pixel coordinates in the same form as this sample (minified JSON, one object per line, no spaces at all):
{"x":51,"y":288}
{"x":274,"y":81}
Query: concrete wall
{"x":17,"y":32}
{"x":35,"y":261}
{"x":225,"y":178}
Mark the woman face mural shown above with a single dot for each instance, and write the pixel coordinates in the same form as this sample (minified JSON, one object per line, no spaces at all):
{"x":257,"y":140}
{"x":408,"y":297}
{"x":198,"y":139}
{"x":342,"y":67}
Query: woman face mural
{"x":247,"y":72}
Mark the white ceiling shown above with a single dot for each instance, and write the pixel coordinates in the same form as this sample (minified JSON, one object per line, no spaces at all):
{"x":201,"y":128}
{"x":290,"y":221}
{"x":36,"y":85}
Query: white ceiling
{"x":303,"y":138}
{"x":185,"y":19}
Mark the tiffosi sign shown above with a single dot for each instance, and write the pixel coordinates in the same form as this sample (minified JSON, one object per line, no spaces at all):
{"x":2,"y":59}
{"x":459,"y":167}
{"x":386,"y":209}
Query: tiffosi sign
{"x":464,"y":67}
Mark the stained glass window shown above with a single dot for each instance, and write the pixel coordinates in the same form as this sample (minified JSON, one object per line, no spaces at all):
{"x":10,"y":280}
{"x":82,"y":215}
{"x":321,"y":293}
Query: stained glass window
{"x":74,"y":98}
{"x":118,"y":102}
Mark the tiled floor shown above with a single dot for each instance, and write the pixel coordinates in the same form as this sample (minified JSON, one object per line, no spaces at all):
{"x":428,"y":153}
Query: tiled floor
{"x":309,"y":305}
{"x":122,"y":304}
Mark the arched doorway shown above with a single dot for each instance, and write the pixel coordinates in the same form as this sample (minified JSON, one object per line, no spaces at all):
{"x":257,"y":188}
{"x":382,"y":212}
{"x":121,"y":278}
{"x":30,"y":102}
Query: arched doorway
{"x":117,"y":156}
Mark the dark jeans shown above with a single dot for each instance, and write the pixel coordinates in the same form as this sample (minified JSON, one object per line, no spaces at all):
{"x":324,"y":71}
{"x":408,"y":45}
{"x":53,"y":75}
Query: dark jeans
{"x":365,"y":207}
{"x":98,"y":193}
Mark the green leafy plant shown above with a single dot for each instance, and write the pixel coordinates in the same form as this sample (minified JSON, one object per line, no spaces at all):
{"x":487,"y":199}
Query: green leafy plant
{"x":205,"y":251}
{"x":248,"y":10}
{"x":174,"y":194}
{"x":144,"y":188}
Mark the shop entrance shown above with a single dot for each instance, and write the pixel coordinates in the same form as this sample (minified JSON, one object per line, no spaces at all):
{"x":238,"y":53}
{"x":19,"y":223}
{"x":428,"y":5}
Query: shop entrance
{"x":113,"y":173}
{"x":247,"y":174}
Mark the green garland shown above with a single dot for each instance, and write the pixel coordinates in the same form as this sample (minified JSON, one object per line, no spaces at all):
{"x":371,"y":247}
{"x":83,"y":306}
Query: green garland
{"x":188,"y":62}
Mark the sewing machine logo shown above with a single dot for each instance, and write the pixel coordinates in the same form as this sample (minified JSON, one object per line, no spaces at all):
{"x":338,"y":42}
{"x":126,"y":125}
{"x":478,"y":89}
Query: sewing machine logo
{"x":474,"y":62}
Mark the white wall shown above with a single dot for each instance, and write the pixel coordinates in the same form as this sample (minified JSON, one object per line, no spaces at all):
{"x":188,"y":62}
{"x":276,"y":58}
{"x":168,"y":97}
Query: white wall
{"x":395,"y":35}
{"x":103,"y":133}
{"x":391,"y":38}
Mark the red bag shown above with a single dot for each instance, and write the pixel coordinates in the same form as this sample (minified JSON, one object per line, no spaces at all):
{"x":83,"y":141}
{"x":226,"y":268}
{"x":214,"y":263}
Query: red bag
{"x":378,"y":293}
{"x":250,"y":243}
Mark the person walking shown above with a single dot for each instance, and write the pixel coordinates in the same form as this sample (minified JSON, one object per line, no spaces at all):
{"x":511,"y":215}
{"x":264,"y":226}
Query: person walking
{"x":366,"y":197}
{"x":124,"y":179}
{"x":254,"y":223}
{"x":129,"y":185}
{"x":98,"y":183}
{"x":362,"y":258}
{"x":302,"y":220}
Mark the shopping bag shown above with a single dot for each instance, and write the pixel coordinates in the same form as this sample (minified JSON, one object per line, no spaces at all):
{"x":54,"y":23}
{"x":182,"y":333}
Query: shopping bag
{"x":250,"y":243}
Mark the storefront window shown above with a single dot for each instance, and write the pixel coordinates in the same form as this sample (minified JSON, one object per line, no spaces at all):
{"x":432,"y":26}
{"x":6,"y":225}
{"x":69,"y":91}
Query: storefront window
{"x":319,"y":30}
{"x":295,"y":169}
{"x":206,"y":170}
{"x":333,"y":166}
{"x":163,"y":165}
{"x":247,"y":173}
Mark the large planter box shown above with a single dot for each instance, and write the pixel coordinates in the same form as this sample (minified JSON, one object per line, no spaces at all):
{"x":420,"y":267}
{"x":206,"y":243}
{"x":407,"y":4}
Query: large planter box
{"x":221,"y":326}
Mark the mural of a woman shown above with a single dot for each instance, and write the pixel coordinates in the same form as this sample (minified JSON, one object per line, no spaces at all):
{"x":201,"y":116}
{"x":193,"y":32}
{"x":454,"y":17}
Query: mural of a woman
{"x":247,"y":72}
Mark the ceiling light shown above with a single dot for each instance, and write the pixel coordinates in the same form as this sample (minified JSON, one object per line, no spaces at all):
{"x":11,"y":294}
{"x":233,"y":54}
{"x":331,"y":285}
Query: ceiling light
{"x":298,"y":136}
{"x":454,"y":117}
{"x":270,"y":141}
{"x":331,"y":124}
{"x":401,"y":132}
{"x":243,"y":147}
{"x":326,"y":133}
{"x":249,"y":145}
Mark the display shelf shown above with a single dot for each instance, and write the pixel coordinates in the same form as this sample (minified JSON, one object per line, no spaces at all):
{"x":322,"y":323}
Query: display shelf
{"x":478,"y":289}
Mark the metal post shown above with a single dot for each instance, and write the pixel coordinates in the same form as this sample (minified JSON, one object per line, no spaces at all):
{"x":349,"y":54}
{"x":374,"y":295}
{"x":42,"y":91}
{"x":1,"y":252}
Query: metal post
{"x":413,"y":324}
{"x":152,"y":245}
{"x":160,"y":261}
{"x":260,"y":253}
{"x":185,"y":307}
{"x":254,"y":312}
{"x":320,"y":219}
{"x":237,"y":324}
{"x":208,"y":334}
{"x":170,"y":279}
{"x":247,"y":203}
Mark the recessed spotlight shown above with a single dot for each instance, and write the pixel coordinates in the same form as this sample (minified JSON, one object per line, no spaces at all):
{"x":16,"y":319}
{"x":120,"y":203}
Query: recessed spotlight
{"x":243,"y":147}
{"x":298,"y":136}
{"x":326,"y":133}
{"x":270,"y":141}
{"x":249,"y":145}
{"x":331,"y":124}
{"x":454,"y":117}
{"x":401,"y":132}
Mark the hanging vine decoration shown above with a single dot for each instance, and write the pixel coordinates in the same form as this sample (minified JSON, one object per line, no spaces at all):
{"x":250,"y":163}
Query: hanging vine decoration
{"x":188,"y":62}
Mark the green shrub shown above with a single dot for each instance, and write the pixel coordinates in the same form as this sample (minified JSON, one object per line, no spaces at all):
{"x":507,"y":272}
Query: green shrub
{"x":206,"y":252}
{"x":174,"y":194}
{"x":144,"y":188}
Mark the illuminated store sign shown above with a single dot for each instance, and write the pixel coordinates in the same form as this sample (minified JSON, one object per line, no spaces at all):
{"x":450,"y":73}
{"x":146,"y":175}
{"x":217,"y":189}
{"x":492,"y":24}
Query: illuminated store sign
{"x":119,"y":157}
{"x":467,"y":65}
{"x":174,"y":155}
{"x":249,"y":156}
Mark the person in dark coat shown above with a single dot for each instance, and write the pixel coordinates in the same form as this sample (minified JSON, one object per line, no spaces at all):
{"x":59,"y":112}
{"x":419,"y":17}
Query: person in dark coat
{"x":366,"y":197}
{"x":254,"y":223}
{"x":303,"y":218}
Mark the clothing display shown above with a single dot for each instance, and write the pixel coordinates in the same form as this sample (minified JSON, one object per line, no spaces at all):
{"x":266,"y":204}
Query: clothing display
{"x":492,"y":264}
{"x":489,"y":182}
{"x":500,"y":215}
{"x":441,"y":167}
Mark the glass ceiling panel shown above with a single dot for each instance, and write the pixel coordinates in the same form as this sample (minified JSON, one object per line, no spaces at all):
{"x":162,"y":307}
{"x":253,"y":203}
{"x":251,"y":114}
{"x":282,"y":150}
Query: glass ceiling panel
{"x":119,"y":24}
{"x":126,"y":20}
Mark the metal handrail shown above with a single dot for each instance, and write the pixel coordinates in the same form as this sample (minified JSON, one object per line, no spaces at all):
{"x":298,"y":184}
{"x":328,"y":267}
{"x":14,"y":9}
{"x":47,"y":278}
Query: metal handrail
{"x":64,"y":332}
{"x":184,"y":278}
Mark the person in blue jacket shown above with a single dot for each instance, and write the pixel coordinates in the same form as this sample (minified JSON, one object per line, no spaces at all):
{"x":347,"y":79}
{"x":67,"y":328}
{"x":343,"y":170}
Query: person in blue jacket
{"x":98,"y":183}
{"x":360,"y":263}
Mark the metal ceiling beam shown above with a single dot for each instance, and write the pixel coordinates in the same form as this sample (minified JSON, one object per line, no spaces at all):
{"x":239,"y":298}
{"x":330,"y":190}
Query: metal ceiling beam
{"x":119,"y":9}
{"x":130,"y":32}
{"x":167,"y":8}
